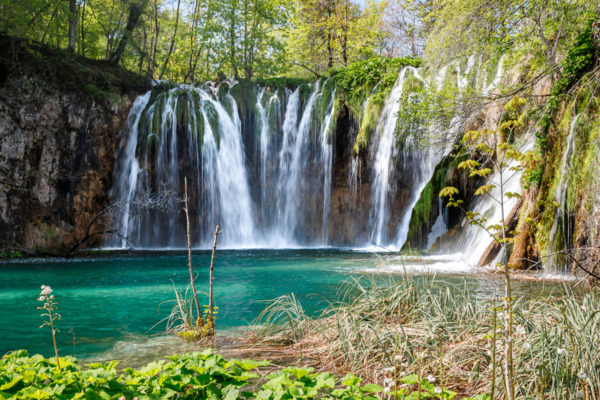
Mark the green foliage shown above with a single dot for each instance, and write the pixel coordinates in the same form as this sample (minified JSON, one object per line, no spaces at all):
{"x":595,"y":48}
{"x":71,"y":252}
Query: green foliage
{"x":368,"y":81}
{"x":487,"y":28}
{"x":303,"y":383}
{"x":279,"y":82}
{"x":11,"y":254}
{"x":580,"y":59}
{"x":356,"y":81}
{"x":193,"y":375}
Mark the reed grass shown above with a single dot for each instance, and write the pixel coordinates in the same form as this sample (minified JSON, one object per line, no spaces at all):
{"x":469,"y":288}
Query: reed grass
{"x":384,"y":328}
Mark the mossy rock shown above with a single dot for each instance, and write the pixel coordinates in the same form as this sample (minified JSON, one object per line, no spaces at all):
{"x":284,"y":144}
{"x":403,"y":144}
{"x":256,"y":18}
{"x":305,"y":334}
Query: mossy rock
{"x":213,"y":120}
{"x":368,"y":125}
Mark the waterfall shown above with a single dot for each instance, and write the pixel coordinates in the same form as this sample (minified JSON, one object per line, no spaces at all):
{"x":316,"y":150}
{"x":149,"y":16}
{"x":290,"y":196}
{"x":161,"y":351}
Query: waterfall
{"x":262,"y":163}
{"x":326,"y":161}
{"x":559,"y":241}
{"x":384,"y":152}
{"x":128,"y":167}
{"x":274,"y":197}
{"x":292,"y":162}
{"x":472,"y":241}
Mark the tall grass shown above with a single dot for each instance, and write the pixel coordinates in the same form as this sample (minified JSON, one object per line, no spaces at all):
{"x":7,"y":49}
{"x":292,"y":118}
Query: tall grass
{"x":428,"y":327}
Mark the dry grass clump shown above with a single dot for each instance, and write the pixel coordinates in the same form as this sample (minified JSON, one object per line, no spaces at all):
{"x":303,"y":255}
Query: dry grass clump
{"x":384,"y":329}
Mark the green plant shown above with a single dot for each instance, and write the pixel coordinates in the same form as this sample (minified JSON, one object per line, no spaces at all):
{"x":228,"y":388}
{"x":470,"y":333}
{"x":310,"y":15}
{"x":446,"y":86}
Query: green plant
{"x":579,"y":60}
{"x":385,"y":328}
{"x":190,"y":376}
{"x":499,"y":161}
{"x":50,"y":306}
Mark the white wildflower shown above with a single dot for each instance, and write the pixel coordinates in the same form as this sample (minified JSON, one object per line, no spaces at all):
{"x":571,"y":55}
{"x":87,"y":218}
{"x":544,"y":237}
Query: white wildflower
{"x":527,"y":346}
{"x":521,"y":330}
{"x":398,"y":358}
{"x":42,"y":298}
{"x":581,"y":375}
{"x":122,"y":398}
{"x":431,"y":378}
{"x":389,"y":369}
{"x":438,"y":390}
{"x":561,"y":350}
{"x":386,"y":390}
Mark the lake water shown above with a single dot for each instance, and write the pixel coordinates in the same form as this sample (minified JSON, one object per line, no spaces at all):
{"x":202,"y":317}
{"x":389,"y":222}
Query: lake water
{"x":111,"y":304}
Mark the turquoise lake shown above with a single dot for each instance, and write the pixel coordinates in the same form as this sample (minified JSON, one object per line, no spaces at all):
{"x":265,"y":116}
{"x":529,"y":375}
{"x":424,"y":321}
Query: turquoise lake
{"x":106,"y":301}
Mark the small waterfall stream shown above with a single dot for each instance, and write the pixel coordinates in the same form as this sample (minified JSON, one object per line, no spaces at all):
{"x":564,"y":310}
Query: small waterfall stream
{"x":473,"y":240}
{"x":558,"y":240}
{"x":416,"y":160}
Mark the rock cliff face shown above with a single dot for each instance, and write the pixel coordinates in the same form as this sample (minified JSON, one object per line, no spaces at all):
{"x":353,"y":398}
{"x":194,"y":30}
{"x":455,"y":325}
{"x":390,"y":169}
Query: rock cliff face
{"x":57,"y":147}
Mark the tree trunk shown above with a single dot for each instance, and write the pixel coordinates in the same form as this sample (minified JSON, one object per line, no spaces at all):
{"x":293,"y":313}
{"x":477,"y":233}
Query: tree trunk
{"x":135,"y":13}
{"x":345,"y":35}
{"x":232,"y":42}
{"x":72,"y":25}
{"x":329,"y":38}
{"x":596,"y":28}
{"x":162,"y":71}
{"x":194,"y":32}
{"x":82,"y":43}
{"x":154,"y":44}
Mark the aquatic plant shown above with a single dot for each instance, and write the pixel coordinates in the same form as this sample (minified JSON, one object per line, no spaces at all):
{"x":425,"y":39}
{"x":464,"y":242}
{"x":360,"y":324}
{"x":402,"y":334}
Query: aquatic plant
{"x":182,"y":320}
{"x":50,"y":306}
{"x":385,"y":328}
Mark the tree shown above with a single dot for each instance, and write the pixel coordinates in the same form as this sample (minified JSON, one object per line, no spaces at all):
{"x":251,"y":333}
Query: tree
{"x":72,"y":24}
{"x":135,"y":12}
{"x":172,"y":42}
{"x":327,"y":33}
{"x":542,"y":28}
{"x":497,"y":161}
{"x":403,"y":30}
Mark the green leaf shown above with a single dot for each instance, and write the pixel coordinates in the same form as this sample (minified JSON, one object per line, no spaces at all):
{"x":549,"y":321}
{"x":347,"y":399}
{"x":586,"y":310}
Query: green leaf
{"x":411,"y":379}
{"x":12,"y":383}
{"x":448,"y":191}
{"x":371,"y":388}
{"x":350,"y":380}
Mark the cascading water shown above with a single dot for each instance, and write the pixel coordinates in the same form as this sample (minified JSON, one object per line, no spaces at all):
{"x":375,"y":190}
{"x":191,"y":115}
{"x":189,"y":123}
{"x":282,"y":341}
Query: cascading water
{"x":185,"y":132}
{"x":473,"y":240}
{"x":263,"y":168}
{"x":559,"y":240}
{"x":384,"y":157}
{"x":197,"y":133}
